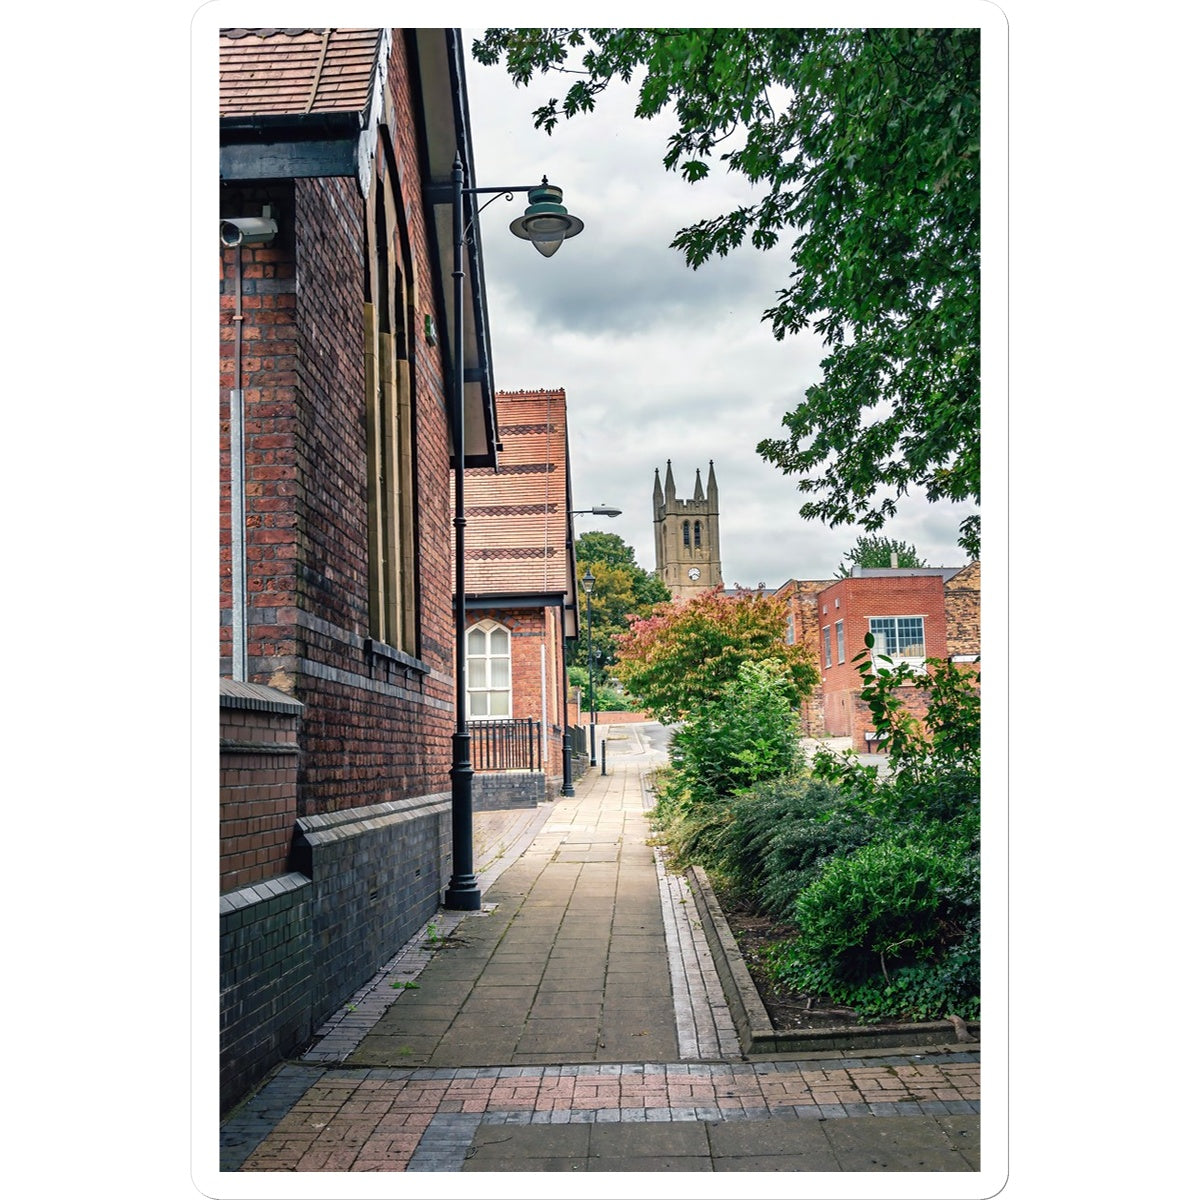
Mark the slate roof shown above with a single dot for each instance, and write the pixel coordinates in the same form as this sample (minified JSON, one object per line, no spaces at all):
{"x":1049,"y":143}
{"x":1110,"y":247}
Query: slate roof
{"x":286,"y":71}
{"x":517,"y":517}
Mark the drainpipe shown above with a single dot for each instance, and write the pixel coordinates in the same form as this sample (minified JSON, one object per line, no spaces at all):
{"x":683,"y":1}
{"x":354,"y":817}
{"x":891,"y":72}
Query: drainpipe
{"x":237,"y":484}
{"x":238,"y":232}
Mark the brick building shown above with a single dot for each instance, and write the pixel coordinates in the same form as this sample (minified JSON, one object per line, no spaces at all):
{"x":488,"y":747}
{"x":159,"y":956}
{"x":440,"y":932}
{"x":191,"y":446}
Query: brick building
{"x":336,"y":558}
{"x":520,"y":587}
{"x":914,"y":613}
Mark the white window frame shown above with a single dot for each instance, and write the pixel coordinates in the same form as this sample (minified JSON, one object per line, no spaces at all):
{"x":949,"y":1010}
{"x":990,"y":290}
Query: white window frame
{"x":840,"y":636}
{"x":915,"y":661}
{"x":827,"y":645}
{"x":485,"y":668}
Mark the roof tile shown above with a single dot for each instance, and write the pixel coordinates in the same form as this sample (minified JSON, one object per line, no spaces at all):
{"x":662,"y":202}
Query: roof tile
{"x":285,"y":71}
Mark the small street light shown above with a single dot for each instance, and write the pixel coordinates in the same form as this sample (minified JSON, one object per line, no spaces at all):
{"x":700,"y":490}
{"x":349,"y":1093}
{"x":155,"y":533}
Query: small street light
{"x":601,"y":510}
{"x":545,"y":223}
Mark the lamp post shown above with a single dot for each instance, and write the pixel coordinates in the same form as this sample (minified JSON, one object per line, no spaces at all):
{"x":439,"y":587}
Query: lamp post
{"x":589,"y":582}
{"x":546,"y":223}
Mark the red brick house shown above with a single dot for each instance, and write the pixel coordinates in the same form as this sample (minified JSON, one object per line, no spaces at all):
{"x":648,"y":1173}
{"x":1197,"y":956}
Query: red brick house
{"x":914,"y":614}
{"x":336,"y":557}
{"x":520,"y":592}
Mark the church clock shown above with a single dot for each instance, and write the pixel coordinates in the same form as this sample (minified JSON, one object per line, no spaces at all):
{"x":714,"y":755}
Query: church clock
{"x":687,"y":554}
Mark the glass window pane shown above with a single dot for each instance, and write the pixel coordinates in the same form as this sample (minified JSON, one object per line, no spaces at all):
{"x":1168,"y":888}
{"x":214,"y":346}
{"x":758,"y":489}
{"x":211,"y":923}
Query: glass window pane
{"x":476,"y":672}
{"x":477,"y":642}
{"x":910,"y":634}
{"x":499,"y":704}
{"x":499,"y":641}
{"x":884,"y":629}
{"x":499,"y":672}
{"x":477,"y":704}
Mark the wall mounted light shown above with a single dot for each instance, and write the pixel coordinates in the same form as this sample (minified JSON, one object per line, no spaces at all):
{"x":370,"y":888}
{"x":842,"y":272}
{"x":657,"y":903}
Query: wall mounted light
{"x":546,"y":222}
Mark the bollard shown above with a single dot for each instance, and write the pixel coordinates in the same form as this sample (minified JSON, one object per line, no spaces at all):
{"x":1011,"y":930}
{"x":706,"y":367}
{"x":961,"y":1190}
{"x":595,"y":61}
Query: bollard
{"x":604,"y":757}
{"x":568,"y":788}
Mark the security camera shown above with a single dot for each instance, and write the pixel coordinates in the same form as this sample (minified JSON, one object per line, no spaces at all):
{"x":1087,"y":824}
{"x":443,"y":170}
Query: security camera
{"x":249,"y":231}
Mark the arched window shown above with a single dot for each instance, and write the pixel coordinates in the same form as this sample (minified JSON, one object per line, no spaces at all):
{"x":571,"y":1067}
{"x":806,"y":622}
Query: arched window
{"x":697,"y":535}
{"x":388,"y":380}
{"x":489,"y":671}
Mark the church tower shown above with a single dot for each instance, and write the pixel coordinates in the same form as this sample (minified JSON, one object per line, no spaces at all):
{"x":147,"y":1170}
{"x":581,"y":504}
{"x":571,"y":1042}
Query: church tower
{"x":687,"y":542}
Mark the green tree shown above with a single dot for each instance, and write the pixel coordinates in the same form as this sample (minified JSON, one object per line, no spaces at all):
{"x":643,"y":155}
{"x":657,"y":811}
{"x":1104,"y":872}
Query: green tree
{"x":622,"y":590}
{"x":682,"y":655}
{"x":877,"y":552}
{"x":863,"y":148}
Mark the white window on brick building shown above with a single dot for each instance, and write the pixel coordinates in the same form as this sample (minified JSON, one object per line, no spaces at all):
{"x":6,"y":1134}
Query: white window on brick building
{"x":826,"y":644}
{"x":841,"y":640}
{"x":901,"y":639}
{"x":489,"y":671}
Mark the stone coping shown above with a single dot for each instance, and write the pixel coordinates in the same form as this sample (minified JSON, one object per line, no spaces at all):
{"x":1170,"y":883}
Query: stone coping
{"x":756,"y":1033}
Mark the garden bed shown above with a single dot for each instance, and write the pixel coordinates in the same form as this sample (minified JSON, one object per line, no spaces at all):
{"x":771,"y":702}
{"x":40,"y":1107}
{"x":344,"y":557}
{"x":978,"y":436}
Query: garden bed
{"x":772,"y":1019}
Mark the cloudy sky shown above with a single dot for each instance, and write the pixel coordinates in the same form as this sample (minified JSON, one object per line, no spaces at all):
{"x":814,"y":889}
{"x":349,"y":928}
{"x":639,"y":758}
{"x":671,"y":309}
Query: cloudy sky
{"x":658,"y":361}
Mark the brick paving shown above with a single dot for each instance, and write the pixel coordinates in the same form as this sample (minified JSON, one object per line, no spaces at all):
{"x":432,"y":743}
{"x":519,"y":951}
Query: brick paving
{"x":426,"y":1118}
{"x":585,"y":939}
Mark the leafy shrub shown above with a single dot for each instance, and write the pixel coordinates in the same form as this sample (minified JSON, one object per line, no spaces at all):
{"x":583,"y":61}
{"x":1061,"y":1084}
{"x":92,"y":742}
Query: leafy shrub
{"x":934,"y":765}
{"x":778,"y":835}
{"x":893,"y":928}
{"x":747,"y":734}
{"x":608,"y":699}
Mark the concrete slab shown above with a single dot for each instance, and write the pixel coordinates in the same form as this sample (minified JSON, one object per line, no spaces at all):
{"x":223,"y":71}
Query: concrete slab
{"x":893,"y":1144}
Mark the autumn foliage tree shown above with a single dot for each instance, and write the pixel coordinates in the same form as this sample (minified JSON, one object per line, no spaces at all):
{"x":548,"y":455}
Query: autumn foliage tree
{"x":682,"y":655}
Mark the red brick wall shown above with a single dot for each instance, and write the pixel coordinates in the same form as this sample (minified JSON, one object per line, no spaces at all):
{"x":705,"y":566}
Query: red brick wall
{"x":801,"y":596}
{"x":853,"y":601}
{"x":269,"y":387}
{"x":376,"y":727}
{"x":257,"y":795}
{"x":603,"y":718}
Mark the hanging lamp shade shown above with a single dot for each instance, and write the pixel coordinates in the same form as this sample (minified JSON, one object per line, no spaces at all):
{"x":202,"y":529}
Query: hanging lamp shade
{"x":546,"y":222}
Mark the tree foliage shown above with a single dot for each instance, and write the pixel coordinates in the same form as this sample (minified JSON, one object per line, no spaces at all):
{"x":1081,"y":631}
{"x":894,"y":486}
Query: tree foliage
{"x":622,"y":590}
{"x":877,"y":552}
{"x":682,"y":655}
{"x":863,"y":148}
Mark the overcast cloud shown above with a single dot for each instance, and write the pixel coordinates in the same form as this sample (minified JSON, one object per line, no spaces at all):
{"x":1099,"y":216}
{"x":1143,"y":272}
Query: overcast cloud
{"x":658,"y":361}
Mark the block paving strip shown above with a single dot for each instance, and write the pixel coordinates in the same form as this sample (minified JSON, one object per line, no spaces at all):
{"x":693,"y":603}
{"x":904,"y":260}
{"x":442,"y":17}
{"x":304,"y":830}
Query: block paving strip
{"x":424,"y":1118}
{"x":703,"y":1020}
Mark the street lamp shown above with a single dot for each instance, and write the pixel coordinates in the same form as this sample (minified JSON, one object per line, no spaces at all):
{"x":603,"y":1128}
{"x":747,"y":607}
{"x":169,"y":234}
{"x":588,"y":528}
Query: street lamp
{"x":589,"y":582}
{"x":600,"y":510}
{"x":546,"y":223}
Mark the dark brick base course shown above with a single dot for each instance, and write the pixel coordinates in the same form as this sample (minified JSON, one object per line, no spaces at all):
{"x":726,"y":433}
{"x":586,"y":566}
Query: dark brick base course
{"x":508,"y":789}
{"x":293,"y":948}
{"x":377,"y":876}
{"x":266,"y":964}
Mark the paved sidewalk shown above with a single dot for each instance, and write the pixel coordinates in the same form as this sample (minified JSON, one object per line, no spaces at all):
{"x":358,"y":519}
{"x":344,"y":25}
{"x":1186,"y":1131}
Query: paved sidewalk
{"x":576,"y":1024}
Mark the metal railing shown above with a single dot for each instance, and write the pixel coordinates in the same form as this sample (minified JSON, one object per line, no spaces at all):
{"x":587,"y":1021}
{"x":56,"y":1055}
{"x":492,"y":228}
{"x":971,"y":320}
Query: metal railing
{"x":514,"y":745}
{"x":579,"y":738}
